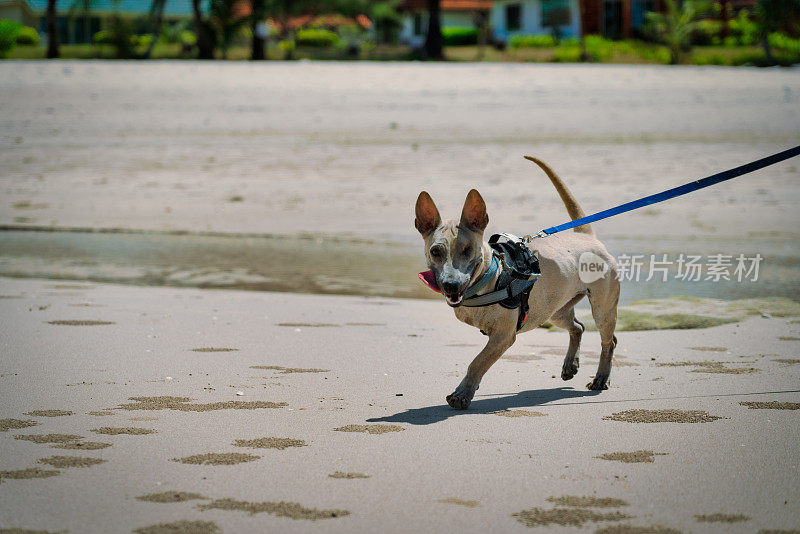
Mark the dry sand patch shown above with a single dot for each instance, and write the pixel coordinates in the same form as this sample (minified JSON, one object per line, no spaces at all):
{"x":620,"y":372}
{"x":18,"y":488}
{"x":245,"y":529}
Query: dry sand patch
{"x":270,"y":443}
{"x":789,"y":338}
{"x":309,"y":325}
{"x":100,"y":413}
{"x":519,"y":413}
{"x":80,"y":322}
{"x":48,"y":413}
{"x":183,"y":404}
{"x":82,"y":445}
{"x":370,"y":429}
{"x":340,"y":474}
{"x":180,"y":527}
{"x":27,"y":531}
{"x":521,"y":357}
{"x":129,"y":430}
{"x":635,"y":529}
{"x":49,"y":438}
{"x":631,"y":457}
{"x":170,"y":496}
{"x":710,"y":349}
{"x":214,"y":458}
{"x":31,"y":472}
{"x":711,"y":367}
{"x":291,"y":510}
{"x":214,"y":349}
{"x":63,"y":462}
{"x":14,"y":424}
{"x":662,"y":416}
{"x":787,"y":361}
{"x":461,"y":502}
{"x":721,"y":518}
{"x":288,"y":370}
{"x":574,"y":501}
{"x":565,"y":517}
{"x":771,"y":405}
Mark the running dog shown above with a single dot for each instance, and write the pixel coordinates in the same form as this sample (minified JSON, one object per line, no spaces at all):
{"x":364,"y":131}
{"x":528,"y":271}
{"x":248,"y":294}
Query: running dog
{"x":458,"y":256}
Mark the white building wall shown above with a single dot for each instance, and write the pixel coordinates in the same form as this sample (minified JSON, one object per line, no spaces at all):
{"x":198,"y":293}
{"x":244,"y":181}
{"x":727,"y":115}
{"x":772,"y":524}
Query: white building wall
{"x":531,"y":20}
{"x":450,"y":19}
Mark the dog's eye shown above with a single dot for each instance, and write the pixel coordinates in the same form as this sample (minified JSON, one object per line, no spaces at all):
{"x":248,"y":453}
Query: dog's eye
{"x":467,"y":252}
{"x":436,"y":253}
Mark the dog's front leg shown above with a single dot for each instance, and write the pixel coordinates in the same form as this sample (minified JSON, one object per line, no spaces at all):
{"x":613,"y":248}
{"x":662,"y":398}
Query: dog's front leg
{"x":497,"y":345}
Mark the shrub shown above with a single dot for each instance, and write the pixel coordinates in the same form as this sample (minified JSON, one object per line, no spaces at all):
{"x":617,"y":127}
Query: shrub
{"x":188,"y":38}
{"x":598,"y":48}
{"x":708,"y":59}
{"x":27,"y":36}
{"x":103,"y":37}
{"x":706,"y":32}
{"x":567,"y":54}
{"x":316,"y":37}
{"x":8,"y":35}
{"x":532,"y":41}
{"x":744,"y":31}
{"x":784,"y":43}
{"x":459,"y":36}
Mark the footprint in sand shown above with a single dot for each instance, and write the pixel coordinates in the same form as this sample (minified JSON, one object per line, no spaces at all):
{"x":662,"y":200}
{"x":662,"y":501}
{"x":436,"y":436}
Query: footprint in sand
{"x":340,"y":474}
{"x":48,"y":438}
{"x":270,"y":443}
{"x":565,"y":517}
{"x":370,"y":429}
{"x":721,"y":518}
{"x":63,"y":462}
{"x":80,"y":322}
{"x":14,"y":424}
{"x":288,"y":370}
{"x":180,"y":527}
{"x":48,"y":413}
{"x":213,"y":458}
{"x":460,"y":502}
{"x":82,"y":445}
{"x":634,"y":457}
{"x":662,"y":416}
{"x":771,"y":405}
{"x":575,"y":501}
{"x":292,"y":510}
{"x":519,"y":413}
{"x":129,"y":430}
{"x":170,"y":497}
{"x":183,"y":404}
{"x":214,"y":349}
{"x":29,"y":473}
{"x":711,"y":367}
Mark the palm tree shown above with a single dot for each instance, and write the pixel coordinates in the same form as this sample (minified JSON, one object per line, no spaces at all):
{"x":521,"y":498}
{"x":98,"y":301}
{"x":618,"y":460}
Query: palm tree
{"x":259,"y":30}
{"x":434,"y":43}
{"x":52,"y":30}
{"x":674,"y":28}
{"x":205,"y":49}
{"x":227,"y":22}
{"x":777,"y":16}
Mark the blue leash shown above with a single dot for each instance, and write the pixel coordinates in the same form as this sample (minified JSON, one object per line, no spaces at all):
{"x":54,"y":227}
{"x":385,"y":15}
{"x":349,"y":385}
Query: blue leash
{"x":674,"y":192}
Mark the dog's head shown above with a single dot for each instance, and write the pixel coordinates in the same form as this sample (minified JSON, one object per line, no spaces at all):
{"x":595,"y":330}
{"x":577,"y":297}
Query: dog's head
{"x":453,"y":249}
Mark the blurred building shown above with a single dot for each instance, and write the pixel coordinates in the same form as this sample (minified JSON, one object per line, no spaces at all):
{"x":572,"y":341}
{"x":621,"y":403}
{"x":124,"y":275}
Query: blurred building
{"x":455,"y":14}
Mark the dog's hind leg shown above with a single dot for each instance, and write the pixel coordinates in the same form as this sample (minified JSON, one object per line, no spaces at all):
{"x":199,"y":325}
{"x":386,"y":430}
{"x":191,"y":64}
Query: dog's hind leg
{"x":497,"y":345}
{"x":565,"y":318}
{"x":604,"y":311}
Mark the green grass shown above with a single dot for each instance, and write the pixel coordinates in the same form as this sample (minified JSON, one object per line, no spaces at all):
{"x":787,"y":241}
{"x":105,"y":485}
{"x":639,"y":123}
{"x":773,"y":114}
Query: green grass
{"x":599,"y":50}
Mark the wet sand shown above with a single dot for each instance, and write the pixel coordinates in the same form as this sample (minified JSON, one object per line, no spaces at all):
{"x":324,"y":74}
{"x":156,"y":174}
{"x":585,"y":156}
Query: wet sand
{"x":381,"y":451}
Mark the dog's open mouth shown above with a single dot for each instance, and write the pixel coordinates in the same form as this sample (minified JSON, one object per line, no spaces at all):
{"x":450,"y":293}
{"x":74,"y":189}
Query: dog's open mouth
{"x":454,"y":299}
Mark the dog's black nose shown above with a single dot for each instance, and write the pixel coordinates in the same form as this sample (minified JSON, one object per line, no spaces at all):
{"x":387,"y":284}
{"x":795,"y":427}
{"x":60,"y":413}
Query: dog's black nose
{"x":449,"y":287}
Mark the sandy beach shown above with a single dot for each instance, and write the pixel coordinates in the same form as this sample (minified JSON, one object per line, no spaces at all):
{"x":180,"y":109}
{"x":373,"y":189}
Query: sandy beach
{"x":339,"y":406}
{"x":212,"y":321}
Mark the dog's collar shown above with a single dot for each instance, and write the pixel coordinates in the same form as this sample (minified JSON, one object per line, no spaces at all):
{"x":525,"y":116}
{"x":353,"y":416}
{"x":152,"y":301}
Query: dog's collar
{"x":484,"y":280}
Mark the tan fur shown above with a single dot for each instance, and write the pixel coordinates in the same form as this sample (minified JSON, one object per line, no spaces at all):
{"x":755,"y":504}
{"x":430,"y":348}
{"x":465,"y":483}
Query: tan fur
{"x":573,"y":209}
{"x":553,"y":296}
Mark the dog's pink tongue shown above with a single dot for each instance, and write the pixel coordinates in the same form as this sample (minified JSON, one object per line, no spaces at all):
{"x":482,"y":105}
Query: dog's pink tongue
{"x":429,"y":279}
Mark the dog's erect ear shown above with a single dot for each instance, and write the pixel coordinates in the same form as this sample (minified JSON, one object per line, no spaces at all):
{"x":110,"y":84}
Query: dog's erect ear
{"x":427,"y":214}
{"x":474,"y":213}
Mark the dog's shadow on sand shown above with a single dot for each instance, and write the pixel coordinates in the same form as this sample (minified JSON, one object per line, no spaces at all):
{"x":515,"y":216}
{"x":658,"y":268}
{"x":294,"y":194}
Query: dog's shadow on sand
{"x":524,"y":399}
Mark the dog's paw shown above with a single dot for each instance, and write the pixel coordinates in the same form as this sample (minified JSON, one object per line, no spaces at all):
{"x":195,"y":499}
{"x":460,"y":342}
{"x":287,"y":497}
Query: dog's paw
{"x":461,"y":397}
{"x":569,"y":371}
{"x":599,"y":383}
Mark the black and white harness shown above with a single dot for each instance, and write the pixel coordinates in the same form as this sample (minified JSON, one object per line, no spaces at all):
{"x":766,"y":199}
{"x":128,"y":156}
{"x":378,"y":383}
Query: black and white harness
{"x":519,"y":269}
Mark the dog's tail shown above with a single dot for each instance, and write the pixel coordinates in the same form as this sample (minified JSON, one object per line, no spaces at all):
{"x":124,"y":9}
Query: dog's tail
{"x":573,"y":208}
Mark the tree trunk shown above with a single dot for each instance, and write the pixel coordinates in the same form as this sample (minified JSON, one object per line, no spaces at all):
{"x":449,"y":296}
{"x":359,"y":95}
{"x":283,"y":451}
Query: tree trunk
{"x":723,"y":5}
{"x":52,"y":30}
{"x":204,"y":49}
{"x":481,"y":18}
{"x":157,"y":11}
{"x":767,"y":49}
{"x":434,"y":45}
{"x":259,"y":30}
